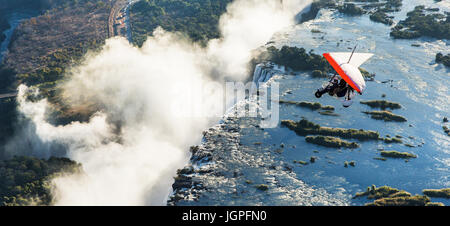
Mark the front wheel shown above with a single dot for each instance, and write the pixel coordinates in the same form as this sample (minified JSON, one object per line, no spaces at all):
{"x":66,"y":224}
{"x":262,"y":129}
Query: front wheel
{"x":318,"y":94}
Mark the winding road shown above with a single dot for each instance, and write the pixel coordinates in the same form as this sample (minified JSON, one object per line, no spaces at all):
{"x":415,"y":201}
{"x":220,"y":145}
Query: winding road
{"x":117,"y":6}
{"x":118,"y":22}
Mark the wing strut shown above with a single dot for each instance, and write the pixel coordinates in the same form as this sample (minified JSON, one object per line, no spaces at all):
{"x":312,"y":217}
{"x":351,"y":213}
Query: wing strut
{"x":352,"y":54}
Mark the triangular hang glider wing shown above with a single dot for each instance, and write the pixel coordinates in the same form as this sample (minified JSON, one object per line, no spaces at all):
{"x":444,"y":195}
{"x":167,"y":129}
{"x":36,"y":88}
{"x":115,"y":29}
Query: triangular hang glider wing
{"x":356,"y":60}
{"x":349,"y":70}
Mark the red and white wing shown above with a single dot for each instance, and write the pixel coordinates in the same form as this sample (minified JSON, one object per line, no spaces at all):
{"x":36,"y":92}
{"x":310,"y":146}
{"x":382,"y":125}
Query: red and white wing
{"x":349,"y":70}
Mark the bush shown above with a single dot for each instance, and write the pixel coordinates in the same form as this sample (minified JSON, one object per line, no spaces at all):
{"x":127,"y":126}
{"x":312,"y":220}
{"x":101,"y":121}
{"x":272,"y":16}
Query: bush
{"x":397,"y":154}
{"x":350,"y":9}
{"x":385,"y":116}
{"x":198,"y":19}
{"x":382,"y":17}
{"x":332,"y":142}
{"x":305,"y":127}
{"x":383,"y":104}
{"x":295,"y":58}
{"x":438,"y":193}
{"x":418,"y":23}
{"x":24,"y":180}
{"x":441,"y":59}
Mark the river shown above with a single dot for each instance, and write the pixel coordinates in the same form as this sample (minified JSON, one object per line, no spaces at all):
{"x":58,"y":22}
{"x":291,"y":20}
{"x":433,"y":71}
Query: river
{"x":266,"y":156}
{"x":14,"y":17}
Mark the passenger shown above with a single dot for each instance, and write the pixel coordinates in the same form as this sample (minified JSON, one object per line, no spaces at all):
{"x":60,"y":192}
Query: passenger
{"x":338,"y":88}
{"x":335,"y":87}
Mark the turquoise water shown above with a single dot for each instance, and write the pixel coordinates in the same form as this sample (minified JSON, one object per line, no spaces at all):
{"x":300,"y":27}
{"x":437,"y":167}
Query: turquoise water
{"x":419,"y":84}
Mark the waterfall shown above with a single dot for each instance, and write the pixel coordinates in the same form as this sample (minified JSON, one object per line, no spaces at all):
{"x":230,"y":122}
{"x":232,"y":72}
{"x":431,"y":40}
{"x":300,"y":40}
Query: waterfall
{"x":265,"y":71}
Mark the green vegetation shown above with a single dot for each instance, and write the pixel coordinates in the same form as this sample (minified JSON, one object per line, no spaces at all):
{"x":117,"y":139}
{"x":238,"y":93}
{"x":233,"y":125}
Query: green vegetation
{"x":386,"y":116}
{"x":382,"y":104}
{"x":417,"y":200}
{"x":44,"y":46}
{"x":389,"y":140}
{"x":393,"y":5}
{"x":328,"y":108}
{"x":332,"y":142}
{"x":301,"y":162}
{"x":305,"y":127}
{"x":328,"y":113}
{"x":434,"y":204}
{"x":198,"y":19}
{"x":7,"y":107}
{"x":26,"y":180}
{"x":352,"y":163}
{"x":7,"y":80}
{"x":419,"y":23}
{"x":378,"y":10}
{"x":387,"y":196}
{"x":375,"y":193}
{"x":7,"y":119}
{"x":295,"y":58}
{"x":388,"y":6}
{"x":350,"y":9}
{"x":380,"y":158}
{"x":437,"y":193}
{"x":367,"y":75}
{"x":400,"y":194}
{"x":41,"y":49}
{"x":443,"y":59}
{"x":318,"y":74}
{"x":446,"y":130}
{"x":381,"y":17}
{"x":304,"y":104}
{"x":298,"y":59}
{"x":262,"y":187}
{"x":397,"y":154}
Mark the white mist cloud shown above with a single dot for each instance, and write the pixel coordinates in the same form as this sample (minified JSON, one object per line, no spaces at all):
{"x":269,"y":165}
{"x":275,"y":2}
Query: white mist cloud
{"x":246,"y":26}
{"x":131,"y":148}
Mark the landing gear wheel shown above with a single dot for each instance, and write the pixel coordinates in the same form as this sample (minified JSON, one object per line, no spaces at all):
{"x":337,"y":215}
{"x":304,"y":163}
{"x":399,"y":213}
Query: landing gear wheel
{"x":318,"y":94}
